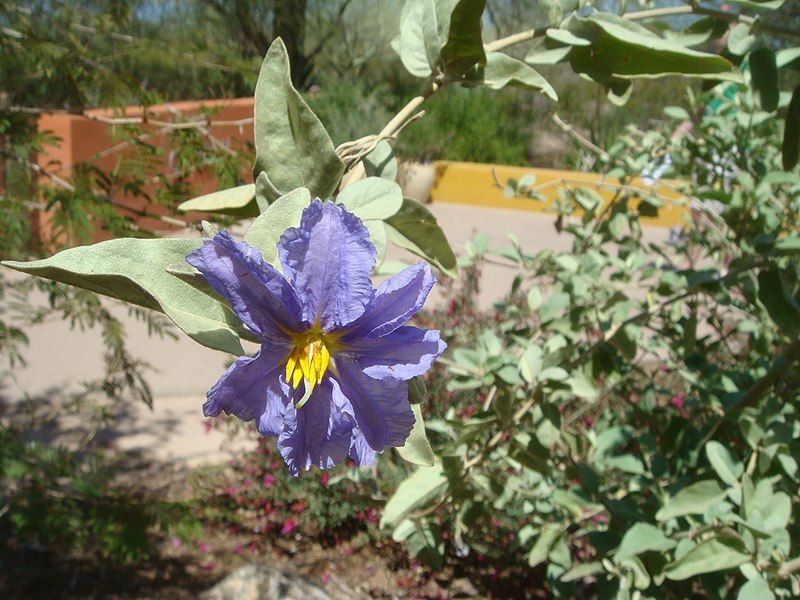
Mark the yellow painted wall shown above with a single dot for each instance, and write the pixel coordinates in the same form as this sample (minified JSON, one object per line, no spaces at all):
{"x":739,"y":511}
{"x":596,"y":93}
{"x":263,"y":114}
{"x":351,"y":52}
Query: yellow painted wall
{"x":474,"y":183}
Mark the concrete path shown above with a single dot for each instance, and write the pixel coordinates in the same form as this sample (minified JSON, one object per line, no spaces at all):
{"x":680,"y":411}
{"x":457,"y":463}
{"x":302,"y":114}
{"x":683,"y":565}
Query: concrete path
{"x":58,"y":359}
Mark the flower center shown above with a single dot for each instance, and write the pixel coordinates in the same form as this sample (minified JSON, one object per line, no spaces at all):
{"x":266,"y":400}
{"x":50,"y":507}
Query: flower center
{"x":309,"y":360}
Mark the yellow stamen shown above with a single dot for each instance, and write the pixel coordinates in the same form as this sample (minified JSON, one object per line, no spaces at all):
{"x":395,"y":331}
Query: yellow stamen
{"x":309,"y":359}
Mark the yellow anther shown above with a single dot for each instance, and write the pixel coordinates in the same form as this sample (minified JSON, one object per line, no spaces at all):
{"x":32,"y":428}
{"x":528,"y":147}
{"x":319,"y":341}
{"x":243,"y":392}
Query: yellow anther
{"x":309,"y":360}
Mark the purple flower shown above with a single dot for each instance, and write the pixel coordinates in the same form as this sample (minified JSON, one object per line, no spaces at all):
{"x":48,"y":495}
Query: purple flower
{"x":330,"y":378}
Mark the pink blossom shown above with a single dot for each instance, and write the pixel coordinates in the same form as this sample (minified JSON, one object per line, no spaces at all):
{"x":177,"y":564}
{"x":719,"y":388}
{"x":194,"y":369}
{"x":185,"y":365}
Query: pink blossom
{"x":325,"y":478}
{"x":208,"y":425}
{"x":268,"y":481}
{"x":210,"y":566}
{"x":176,"y":542}
{"x":203,"y":547}
{"x":289,"y":525}
{"x":238,"y":548}
{"x":326,"y":577}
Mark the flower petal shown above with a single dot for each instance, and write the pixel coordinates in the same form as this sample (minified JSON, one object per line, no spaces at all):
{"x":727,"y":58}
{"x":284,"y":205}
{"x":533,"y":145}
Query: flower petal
{"x":328,"y":260}
{"x":261,"y":297}
{"x":381,"y":408}
{"x":251,"y":389}
{"x":395,"y":301}
{"x":316,"y":434}
{"x":360,"y":452}
{"x":403,"y":354}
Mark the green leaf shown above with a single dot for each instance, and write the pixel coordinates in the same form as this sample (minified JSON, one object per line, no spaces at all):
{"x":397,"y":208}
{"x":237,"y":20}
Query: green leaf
{"x":238,"y":201}
{"x":694,"y":499}
{"x":381,"y":162}
{"x":502,"y":70}
{"x":266,"y":230}
{"x":740,"y":39}
{"x":582,"y":571}
{"x":714,"y":554}
{"x":415,"y":229}
{"x":548,"y":536}
{"x":444,"y":33}
{"x":699,"y":32}
{"x":134,"y":270}
{"x":464,"y":46}
{"x":765,"y":77}
{"x":755,"y":589}
{"x":292,"y":147}
{"x":786,"y":56}
{"x":631,"y":51}
{"x":791,"y":132}
{"x":642,"y":537}
{"x":423,"y":485}
{"x":372,"y":198}
{"x":377,"y":235}
{"x":417,"y":449}
{"x":565,"y":36}
{"x":726,"y":467}
{"x":418,"y":43}
{"x":417,"y":390}
{"x":770,"y":4}
{"x":530,"y":364}
{"x":542,"y":54}
{"x":781,"y":306}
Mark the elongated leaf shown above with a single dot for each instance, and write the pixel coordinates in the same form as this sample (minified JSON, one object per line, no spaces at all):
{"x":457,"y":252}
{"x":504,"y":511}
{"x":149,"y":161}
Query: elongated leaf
{"x":791,"y":132}
{"x":423,"y":485}
{"x":765,"y":77}
{"x":238,"y":201}
{"x":267,"y":229}
{"x":642,"y":537}
{"x":292,"y":146}
{"x":714,"y":554}
{"x":544,"y":543}
{"x":464,"y":46}
{"x":417,"y":449}
{"x":134,"y":270}
{"x":774,"y":294}
{"x":691,"y":500}
{"x":582,"y":571}
{"x":770,"y":4}
{"x":440,"y":33}
{"x":415,"y":228}
{"x":502,"y":70}
{"x":372,"y":198}
{"x":755,"y":589}
{"x":381,"y":162}
{"x":631,"y":51}
{"x":418,"y":44}
{"x":726,"y":467}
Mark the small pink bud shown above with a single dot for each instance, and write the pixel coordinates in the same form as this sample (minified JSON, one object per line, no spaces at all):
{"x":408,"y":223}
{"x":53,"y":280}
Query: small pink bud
{"x":289,"y":525}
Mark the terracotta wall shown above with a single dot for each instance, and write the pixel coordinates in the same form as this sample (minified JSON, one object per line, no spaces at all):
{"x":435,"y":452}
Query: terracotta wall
{"x":83,"y":138}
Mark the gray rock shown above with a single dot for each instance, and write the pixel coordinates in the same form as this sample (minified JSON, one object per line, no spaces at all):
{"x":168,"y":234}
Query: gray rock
{"x":262,"y":582}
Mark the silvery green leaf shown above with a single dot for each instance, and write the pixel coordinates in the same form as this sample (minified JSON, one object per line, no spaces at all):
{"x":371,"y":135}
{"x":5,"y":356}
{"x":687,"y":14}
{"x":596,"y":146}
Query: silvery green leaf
{"x":381,"y":162}
{"x":414,"y":228}
{"x":237,"y":201}
{"x":266,"y":230}
{"x":417,"y":449}
{"x":421,"y":486}
{"x":135,"y":271}
{"x":643,"y":537}
{"x":631,"y":51}
{"x":714,"y":554}
{"x":502,"y":70}
{"x":693,"y":499}
{"x":292,"y":147}
{"x":372,"y":198}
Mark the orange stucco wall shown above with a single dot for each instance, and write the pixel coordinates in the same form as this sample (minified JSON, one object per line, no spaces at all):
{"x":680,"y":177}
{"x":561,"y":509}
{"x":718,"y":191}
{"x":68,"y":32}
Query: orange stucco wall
{"x":86,"y":140}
